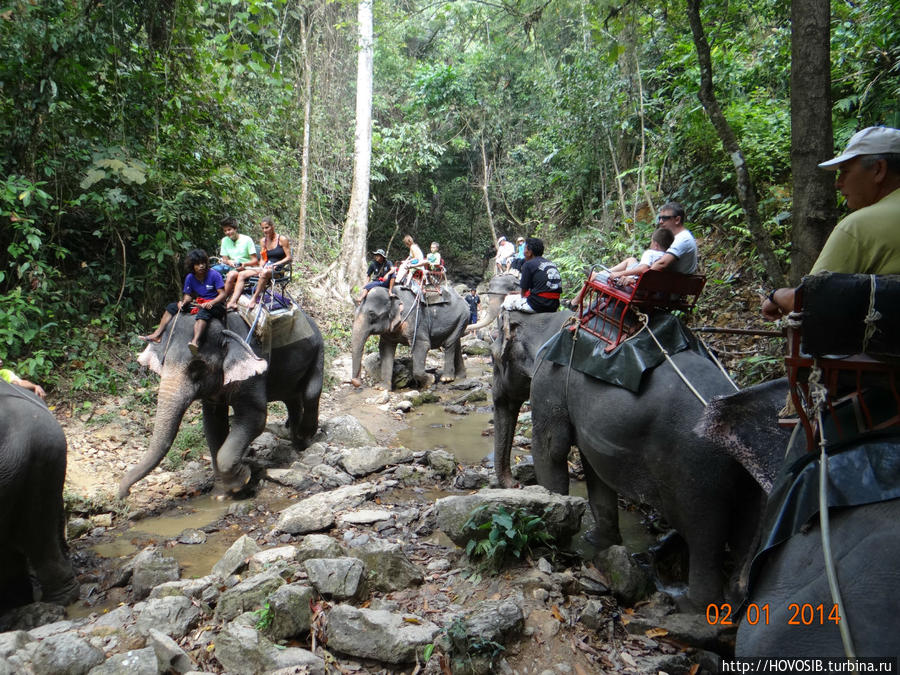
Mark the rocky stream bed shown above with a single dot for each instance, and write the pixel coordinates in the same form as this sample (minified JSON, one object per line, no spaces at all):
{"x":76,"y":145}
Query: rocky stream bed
{"x":348,"y":558}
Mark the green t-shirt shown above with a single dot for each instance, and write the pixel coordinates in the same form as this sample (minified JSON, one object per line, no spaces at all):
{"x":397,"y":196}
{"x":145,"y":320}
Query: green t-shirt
{"x":865,"y":242}
{"x":240,"y":251}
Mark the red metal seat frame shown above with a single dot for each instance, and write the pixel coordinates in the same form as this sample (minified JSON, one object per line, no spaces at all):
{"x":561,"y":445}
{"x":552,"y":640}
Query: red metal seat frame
{"x":604,"y":309}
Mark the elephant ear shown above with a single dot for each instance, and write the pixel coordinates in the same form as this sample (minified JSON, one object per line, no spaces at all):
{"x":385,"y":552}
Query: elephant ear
{"x":151,"y":357}
{"x":240,"y":362}
{"x":396,"y":314}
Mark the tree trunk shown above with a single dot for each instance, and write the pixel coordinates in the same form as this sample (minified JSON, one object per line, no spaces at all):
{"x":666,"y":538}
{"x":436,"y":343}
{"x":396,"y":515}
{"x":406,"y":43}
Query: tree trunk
{"x":349,"y":270}
{"x":484,"y":188}
{"x":304,"y":159}
{"x":811,"y":134}
{"x":745,"y":191}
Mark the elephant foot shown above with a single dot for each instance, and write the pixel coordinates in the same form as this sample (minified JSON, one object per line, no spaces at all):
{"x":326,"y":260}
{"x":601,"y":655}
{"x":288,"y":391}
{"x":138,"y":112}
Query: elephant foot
{"x":233,"y":486}
{"x":506,"y":480}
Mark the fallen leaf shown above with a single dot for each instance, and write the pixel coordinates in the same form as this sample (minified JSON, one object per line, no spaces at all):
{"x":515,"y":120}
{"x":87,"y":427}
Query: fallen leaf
{"x":694,"y":669}
{"x":411,"y":619}
{"x":656,"y":632}
{"x":556,"y":615}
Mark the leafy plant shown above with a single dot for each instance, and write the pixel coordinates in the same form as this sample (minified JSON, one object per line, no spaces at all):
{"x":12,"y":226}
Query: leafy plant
{"x":505,"y":534}
{"x":465,"y":646}
{"x":264,"y":617}
{"x":188,"y":445}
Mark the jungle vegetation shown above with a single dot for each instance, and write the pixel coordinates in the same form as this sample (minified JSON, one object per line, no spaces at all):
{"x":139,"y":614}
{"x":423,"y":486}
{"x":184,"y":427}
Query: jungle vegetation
{"x":131,"y":128}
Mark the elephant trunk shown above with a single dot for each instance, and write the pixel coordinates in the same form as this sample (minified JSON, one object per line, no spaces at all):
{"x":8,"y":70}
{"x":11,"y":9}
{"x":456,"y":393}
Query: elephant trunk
{"x":357,"y":344}
{"x":495,"y":302}
{"x":175,"y":394}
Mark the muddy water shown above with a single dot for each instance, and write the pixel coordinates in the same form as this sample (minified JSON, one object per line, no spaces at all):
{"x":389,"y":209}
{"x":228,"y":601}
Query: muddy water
{"x":431,"y":427}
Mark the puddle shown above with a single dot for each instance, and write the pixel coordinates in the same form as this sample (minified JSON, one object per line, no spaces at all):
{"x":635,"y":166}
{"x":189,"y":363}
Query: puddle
{"x":430,"y":427}
{"x":635,"y":536}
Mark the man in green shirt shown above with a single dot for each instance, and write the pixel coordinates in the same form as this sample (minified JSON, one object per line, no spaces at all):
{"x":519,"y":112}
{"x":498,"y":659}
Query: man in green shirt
{"x":868,"y":240}
{"x":12,"y":378}
{"x":236,"y":251}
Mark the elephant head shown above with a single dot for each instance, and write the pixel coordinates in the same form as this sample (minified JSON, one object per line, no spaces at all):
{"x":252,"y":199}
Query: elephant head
{"x":224,"y":369}
{"x":498,"y":288}
{"x":379,"y":314}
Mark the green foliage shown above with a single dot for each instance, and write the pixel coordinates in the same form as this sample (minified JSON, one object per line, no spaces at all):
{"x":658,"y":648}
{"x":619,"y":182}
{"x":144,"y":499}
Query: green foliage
{"x":189,"y":444}
{"x":264,"y":617}
{"x":465,"y":646}
{"x":501,"y":534}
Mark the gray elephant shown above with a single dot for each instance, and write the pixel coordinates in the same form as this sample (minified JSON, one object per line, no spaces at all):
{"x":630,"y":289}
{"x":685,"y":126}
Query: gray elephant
{"x":229,"y":372}
{"x":513,"y":354}
{"x":412,"y":320}
{"x":32,"y":518}
{"x":789,"y":610}
{"x":642,"y":445}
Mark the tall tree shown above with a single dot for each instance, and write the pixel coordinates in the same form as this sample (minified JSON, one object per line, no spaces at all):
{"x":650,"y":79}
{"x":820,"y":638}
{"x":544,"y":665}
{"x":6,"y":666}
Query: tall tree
{"x":348,"y":270}
{"x":811,"y":133}
{"x":746,"y":194}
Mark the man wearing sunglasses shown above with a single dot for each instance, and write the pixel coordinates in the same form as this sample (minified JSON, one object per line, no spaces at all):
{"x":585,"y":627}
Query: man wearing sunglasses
{"x":681,"y":256}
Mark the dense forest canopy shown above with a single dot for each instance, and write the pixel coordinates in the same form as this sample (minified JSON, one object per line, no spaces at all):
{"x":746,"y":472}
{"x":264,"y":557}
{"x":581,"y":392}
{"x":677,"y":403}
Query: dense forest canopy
{"x":131,"y":129}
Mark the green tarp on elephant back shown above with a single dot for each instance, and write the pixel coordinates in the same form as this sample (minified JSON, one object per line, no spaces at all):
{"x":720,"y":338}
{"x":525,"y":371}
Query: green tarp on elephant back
{"x":626,"y":364}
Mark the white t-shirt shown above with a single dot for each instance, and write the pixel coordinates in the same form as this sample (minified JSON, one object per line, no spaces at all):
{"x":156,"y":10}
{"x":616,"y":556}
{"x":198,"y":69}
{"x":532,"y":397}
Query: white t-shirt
{"x":651,"y":255}
{"x":684,"y":248}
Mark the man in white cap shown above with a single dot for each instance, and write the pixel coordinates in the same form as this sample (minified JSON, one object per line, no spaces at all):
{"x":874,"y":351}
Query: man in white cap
{"x":505,"y":253}
{"x":868,"y":240}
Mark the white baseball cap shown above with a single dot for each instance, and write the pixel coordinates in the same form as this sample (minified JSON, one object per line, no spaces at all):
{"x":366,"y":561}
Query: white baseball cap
{"x":869,"y":141}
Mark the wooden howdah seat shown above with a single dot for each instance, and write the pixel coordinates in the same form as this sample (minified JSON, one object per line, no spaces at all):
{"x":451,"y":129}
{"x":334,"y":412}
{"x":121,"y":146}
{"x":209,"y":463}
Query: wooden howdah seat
{"x":860,"y":392}
{"x":430,"y":277}
{"x":604,"y":310}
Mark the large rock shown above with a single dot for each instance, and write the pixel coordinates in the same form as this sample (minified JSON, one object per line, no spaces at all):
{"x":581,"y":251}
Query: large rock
{"x":563,"y":519}
{"x":389,"y":568}
{"x":316,"y":513}
{"x":339,"y":578}
{"x":319,"y":546}
{"x":346,"y":431}
{"x":133,"y":662}
{"x":248,"y":595}
{"x":369,"y":459}
{"x":290,"y":611}
{"x":378,"y":634}
{"x":174,"y":615}
{"x":236,"y":557}
{"x":169,"y":655}
{"x":243,"y":651}
{"x":66,"y":654}
{"x":628,"y":581}
{"x":151,"y":568}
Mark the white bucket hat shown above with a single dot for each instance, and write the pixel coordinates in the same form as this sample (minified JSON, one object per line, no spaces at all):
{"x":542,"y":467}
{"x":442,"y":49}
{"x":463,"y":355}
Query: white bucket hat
{"x":869,"y":141}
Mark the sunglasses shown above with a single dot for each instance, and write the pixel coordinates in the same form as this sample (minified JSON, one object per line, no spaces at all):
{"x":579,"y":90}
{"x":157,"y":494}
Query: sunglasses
{"x":665,"y":217}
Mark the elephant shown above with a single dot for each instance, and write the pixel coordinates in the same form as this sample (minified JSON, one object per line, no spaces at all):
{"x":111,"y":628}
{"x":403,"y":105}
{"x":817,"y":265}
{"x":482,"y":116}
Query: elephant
{"x":32,"y":517}
{"x":513,"y":354}
{"x":228,"y":371}
{"x":643,"y":446}
{"x":789,"y":610}
{"x":408,"y":319}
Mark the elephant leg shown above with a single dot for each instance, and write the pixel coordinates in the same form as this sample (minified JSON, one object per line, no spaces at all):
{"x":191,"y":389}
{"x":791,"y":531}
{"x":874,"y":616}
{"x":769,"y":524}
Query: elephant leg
{"x":506,"y":413}
{"x":604,"y":502}
{"x":249,"y":421}
{"x":706,"y":557}
{"x":551,"y":441}
{"x":303,"y":411}
{"x":449,"y":372}
{"x":215,"y":428}
{"x":44,"y":547}
{"x":419,"y":352}
{"x":386,"y":352}
{"x":15,"y":583}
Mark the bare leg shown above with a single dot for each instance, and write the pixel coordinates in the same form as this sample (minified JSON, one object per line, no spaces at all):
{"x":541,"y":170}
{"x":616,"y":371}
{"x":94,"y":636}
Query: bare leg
{"x":199,"y":329}
{"x":264,"y":276}
{"x":239,"y":287}
{"x":230,"y":283}
{"x":156,"y":335}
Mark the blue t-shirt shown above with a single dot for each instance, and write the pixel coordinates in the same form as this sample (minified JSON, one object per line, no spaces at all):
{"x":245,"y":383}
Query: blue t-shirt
{"x":208,"y":288}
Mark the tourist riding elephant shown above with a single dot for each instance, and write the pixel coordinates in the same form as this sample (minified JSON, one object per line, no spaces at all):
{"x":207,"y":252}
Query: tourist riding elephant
{"x":409,"y":320}
{"x":32,"y":518}
{"x":230,"y":372}
{"x":789,"y":610}
{"x":513,"y":354}
{"x":642,"y":446}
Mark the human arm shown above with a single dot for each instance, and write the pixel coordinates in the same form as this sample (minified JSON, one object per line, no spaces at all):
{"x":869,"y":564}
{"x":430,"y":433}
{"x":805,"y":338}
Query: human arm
{"x":778,"y":303}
